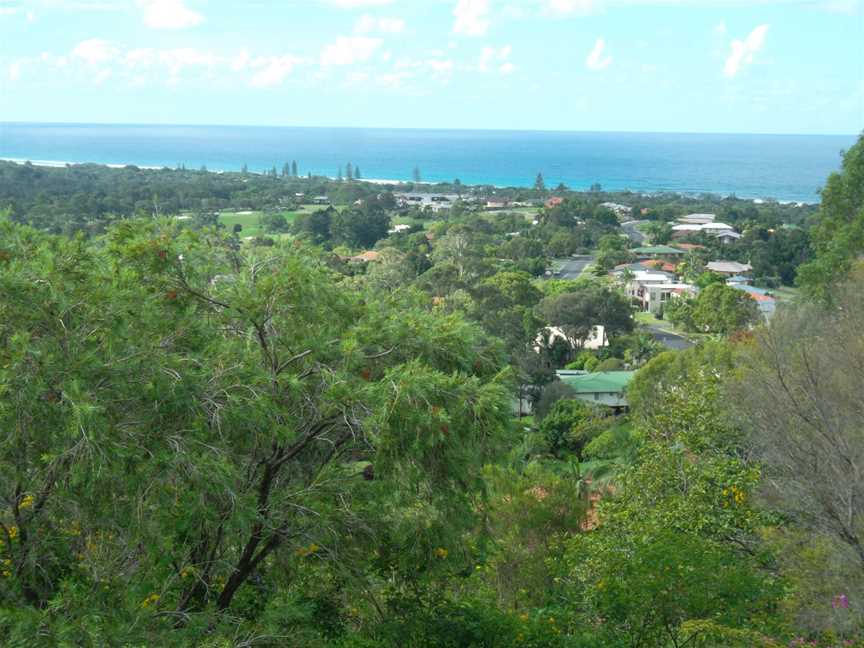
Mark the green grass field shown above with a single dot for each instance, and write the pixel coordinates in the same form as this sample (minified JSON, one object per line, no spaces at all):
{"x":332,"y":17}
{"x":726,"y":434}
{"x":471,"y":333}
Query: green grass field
{"x":786,"y":293}
{"x":251,"y":221}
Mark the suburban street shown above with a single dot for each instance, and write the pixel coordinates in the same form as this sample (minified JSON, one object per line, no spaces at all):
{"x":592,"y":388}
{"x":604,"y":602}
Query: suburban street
{"x":573,"y":267}
{"x":635,"y":235}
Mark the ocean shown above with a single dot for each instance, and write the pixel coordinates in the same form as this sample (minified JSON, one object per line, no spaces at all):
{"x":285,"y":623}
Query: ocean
{"x":781,"y":167}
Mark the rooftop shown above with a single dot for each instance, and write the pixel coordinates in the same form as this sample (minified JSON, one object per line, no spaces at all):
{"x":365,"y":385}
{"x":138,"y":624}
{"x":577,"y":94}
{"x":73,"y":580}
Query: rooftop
{"x":657,"y":249}
{"x":687,"y":227}
{"x":729,"y":267}
{"x":599,"y":382}
{"x":728,"y":234}
{"x":697,"y":218}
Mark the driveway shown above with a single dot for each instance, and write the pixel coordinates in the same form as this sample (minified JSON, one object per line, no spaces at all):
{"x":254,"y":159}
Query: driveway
{"x":669,"y":340}
{"x":635,"y":235}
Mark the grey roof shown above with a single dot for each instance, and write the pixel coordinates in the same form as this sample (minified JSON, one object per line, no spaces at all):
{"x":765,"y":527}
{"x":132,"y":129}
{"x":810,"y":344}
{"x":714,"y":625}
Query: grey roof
{"x":729,"y":267}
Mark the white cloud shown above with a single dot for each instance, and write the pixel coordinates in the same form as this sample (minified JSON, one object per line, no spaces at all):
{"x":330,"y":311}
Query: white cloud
{"x":595,"y":59}
{"x":743,"y":52}
{"x":493,"y":56}
{"x":8,"y":11}
{"x":102,"y":76}
{"x":274,"y":71}
{"x":14,"y":71}
{"x":139,"y":58}
{"x":441,"y":69}
{"x":94,"y":51}
{"x":392,"y":79}
{"x":506,"y":68}
{"x":357,"y":4}
{"x":168,"y":14}
{"x":177,"y":59}
{"x":358,"y":77}
{"x":849,"y":7}
{"x":347,"y":50}
{"x":366,"y":24}
{"x":570,"y":6}
{"x":472,"y":17}
{"x":100,"y":61}
{"x":720,"y":28}
{"x":240,"y":61}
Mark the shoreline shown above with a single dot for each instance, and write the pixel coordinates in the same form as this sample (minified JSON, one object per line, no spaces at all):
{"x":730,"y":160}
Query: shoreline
{"x":59,"y":164}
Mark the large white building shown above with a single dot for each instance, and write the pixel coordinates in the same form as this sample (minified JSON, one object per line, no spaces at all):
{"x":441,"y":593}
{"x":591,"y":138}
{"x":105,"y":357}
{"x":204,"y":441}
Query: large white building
{"x":650,"y":290}
{"x":697,"y":219}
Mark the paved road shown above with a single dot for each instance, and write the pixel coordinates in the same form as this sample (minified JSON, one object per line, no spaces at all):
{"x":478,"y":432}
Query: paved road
{"x":635,"y":235}
{"x":574,"y":266}
{"x":670,"y":340}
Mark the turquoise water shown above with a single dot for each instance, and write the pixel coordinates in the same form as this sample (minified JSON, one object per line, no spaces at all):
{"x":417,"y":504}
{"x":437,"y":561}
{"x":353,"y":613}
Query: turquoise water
{"x":784,"y":167}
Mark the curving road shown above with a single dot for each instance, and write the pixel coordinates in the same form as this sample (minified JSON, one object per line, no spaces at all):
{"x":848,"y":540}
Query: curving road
{"x":635,"y":235}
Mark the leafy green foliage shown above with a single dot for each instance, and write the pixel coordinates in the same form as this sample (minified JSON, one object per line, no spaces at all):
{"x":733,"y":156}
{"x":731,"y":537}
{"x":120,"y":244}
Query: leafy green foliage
{"x":838,"y":235}
{"x":718,"y":309}
{"x":199,"y":424}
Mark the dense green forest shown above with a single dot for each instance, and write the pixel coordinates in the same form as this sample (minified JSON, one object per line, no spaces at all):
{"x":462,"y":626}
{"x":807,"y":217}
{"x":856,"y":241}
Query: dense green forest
{"x":214,"y":441}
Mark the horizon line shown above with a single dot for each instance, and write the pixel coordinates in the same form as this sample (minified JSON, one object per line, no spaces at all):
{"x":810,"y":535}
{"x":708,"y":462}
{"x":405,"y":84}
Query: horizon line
{"x":424,"y":128}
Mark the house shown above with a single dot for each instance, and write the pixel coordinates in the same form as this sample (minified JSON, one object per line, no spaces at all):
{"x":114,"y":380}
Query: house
{"x":697,"y":219}
{"x":738,"y":280}
{"x":685,"y":229}
{"x":617,"y":208}
{"x":646,"y":265}
{"x":396,"y":229}
{"x":728,"y":268}
{"x":653,"y":296}
{"x":554,"y":201}
{"x":497,"y":204}
{"x":366,"y":257}
{"x":689,"y":247}
{"x":727,"y":236}
{"x":660,"y":264}
{"x":649,"y":289}
{"x":320,"y":200}
{"x":713,"y":228}
{"x":548,"y":336}
{"x":766,"y":302}
{"x":429,"y":201}
{"x":655,"y":251}
{"x":601,"y":388}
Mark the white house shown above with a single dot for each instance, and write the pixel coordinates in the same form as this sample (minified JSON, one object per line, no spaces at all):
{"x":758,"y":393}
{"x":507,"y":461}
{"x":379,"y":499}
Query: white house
{"x":547,"y":337}
{"x":727,"y":236}
{"x":728,"y":267}
{"x":685,"y":229}
{"x":653,"y":289}
{"x":713,"y":228}
{"x":697,"y":219}
{"x":617,"y":208}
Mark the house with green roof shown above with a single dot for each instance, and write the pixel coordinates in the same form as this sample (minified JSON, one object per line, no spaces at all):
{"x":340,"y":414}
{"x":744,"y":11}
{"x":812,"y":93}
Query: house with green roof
{"x":601,"y":388}
{"x":656,"y":251}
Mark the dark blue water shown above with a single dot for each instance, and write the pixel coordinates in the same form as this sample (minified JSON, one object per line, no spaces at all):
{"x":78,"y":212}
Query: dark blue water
{"x":784,"y":167}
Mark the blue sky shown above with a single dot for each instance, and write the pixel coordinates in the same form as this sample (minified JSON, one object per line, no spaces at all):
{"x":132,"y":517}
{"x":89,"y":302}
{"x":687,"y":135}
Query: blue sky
{"x":763,"y":66}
